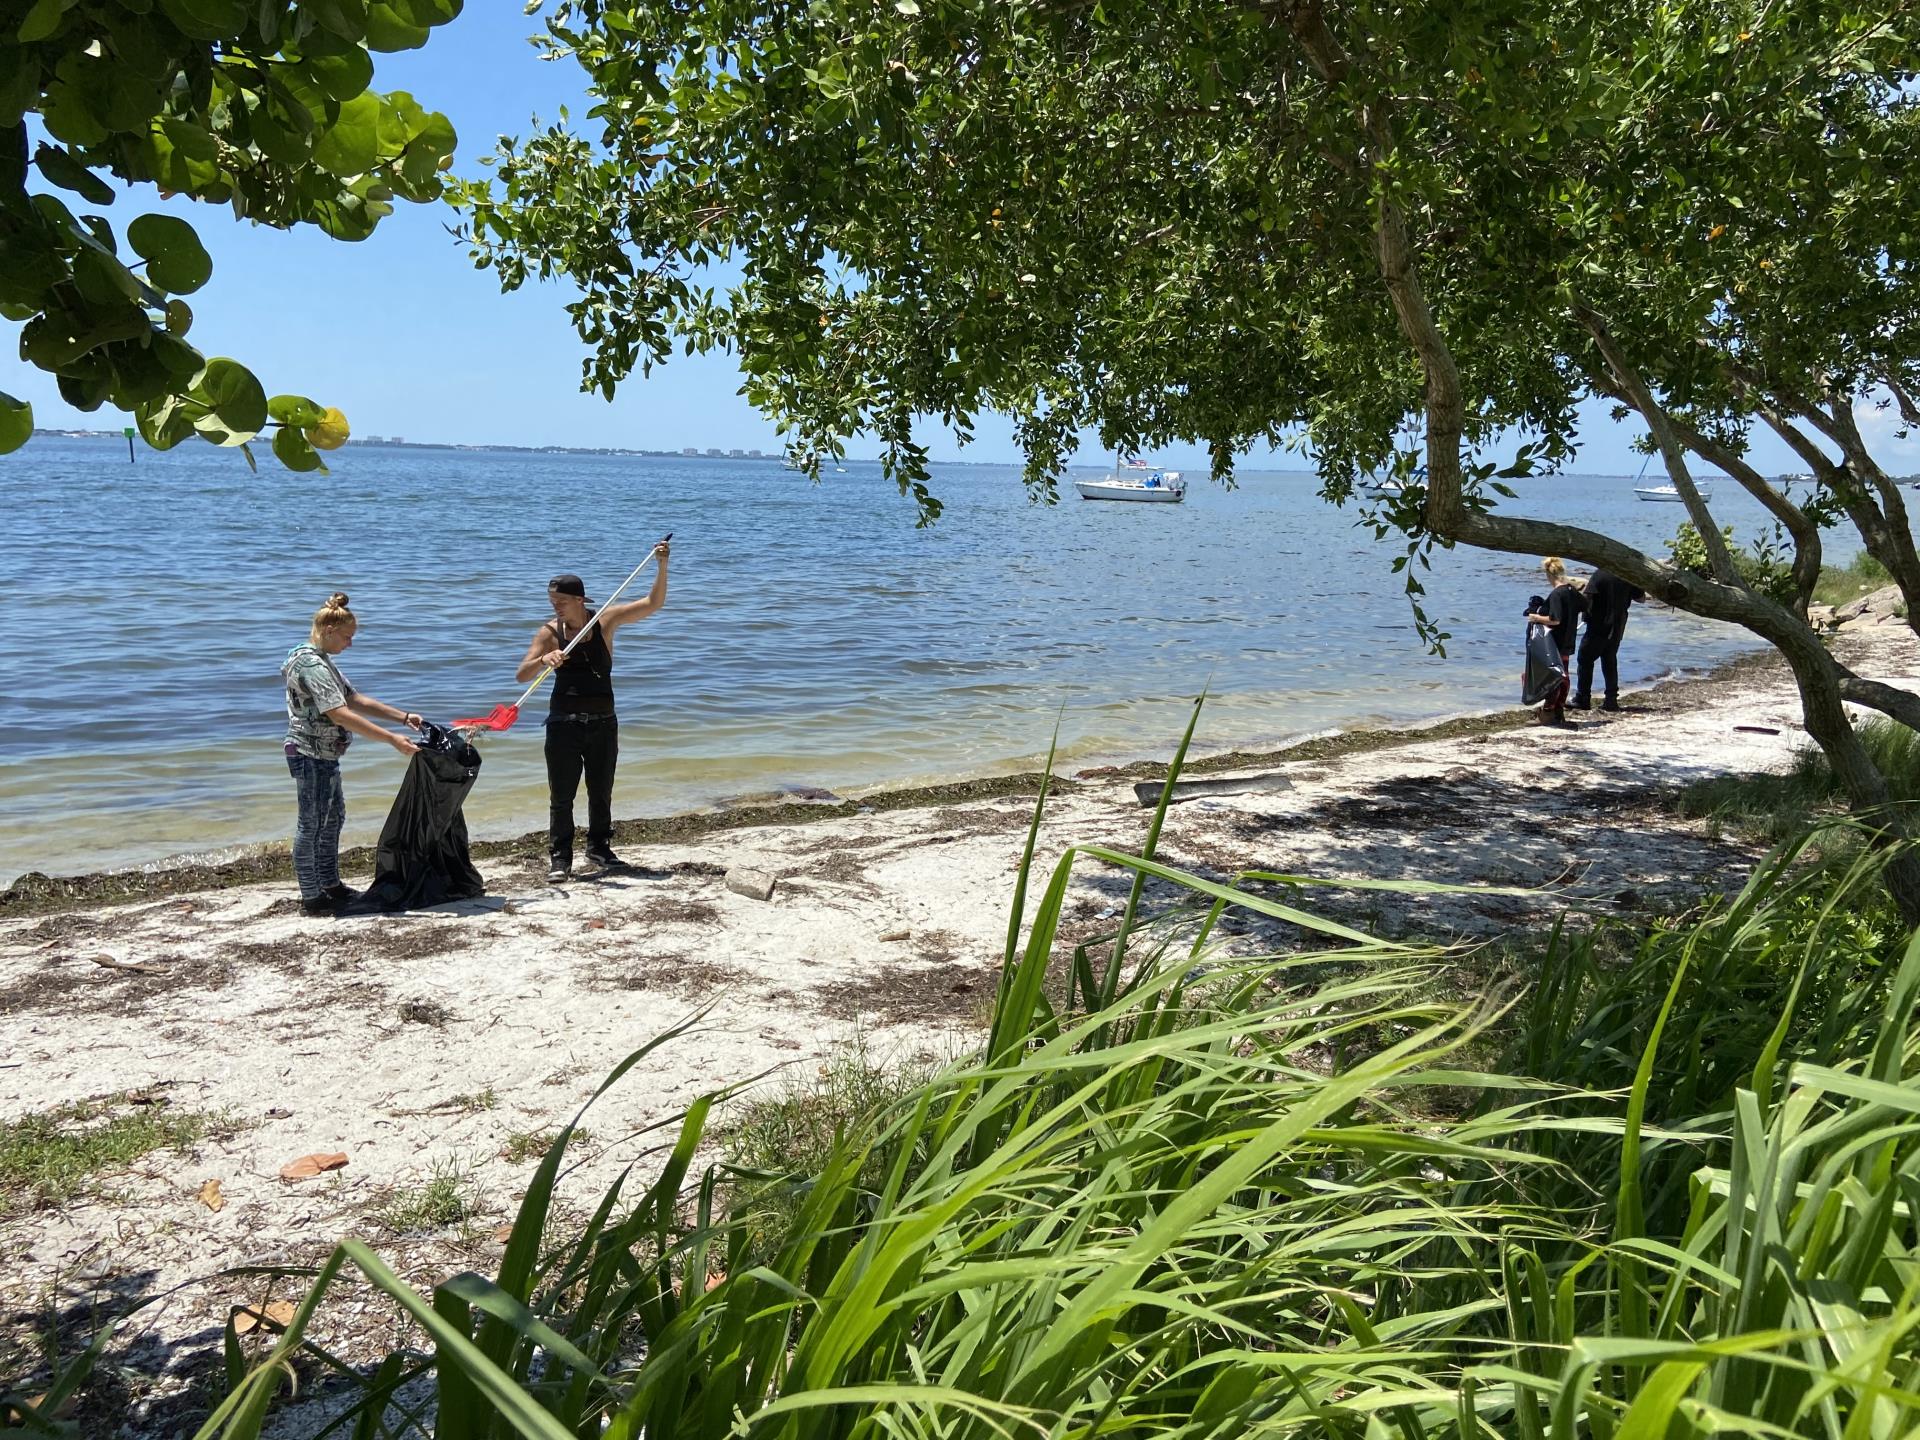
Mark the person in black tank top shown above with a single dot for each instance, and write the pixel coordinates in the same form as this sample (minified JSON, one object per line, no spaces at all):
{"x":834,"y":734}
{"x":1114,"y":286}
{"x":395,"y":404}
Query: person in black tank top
{"x":583,"y":731}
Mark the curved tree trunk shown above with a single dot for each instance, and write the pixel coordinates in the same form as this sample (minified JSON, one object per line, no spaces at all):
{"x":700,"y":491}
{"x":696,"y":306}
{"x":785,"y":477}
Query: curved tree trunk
{"x":1823,"y":683}
{"x":1807,"y":550}
{"x":1817,"y":674}
{"x":1808,"y":554}
{"x":1877,"y":531}
{"x":1628,"y":378}
{"x":1901,"y":559}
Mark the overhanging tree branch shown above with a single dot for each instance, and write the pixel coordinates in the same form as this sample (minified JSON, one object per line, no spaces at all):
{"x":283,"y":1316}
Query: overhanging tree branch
{"x":1628,"y":377}
{"x":1804,"y":533}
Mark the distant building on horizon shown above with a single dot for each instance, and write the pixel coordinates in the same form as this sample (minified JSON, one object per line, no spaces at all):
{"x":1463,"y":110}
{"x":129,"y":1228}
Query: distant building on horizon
{"x":716,"y":452}
{"x":755,"y":455}
{"x":691,"y":450}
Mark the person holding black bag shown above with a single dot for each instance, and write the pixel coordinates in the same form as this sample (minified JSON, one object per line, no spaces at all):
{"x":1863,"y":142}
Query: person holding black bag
{"x":324,"y":713}
{"x":1560,"y":612}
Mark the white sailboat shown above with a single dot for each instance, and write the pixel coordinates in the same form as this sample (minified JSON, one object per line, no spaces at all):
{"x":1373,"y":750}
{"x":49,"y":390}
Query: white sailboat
{"x":1142,"y":484}
{"x":1668,"y":495}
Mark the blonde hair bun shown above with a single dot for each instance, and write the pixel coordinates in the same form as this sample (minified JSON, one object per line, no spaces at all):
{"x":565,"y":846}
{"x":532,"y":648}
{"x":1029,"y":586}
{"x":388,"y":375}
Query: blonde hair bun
{"x":334,"y":615}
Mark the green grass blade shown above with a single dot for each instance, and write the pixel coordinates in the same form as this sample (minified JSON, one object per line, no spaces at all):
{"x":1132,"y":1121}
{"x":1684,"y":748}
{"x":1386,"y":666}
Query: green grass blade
{"x":1111,"y":980}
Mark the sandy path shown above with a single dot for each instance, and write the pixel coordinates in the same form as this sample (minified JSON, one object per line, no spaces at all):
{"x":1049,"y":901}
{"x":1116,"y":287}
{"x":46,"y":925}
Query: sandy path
{"x":364,"y":1036}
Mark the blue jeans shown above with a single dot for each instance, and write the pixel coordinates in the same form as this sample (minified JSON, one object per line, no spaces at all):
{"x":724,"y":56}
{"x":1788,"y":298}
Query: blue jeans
{"x":316,"y":831}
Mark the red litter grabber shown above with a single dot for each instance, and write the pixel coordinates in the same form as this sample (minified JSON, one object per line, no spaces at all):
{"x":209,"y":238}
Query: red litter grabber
{"x":501,"y":717}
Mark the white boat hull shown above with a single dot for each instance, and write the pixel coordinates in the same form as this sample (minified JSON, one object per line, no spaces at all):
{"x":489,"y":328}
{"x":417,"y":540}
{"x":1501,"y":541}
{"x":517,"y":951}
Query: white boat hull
{"x":1131,"y":490}
{"x":1667,"y":495}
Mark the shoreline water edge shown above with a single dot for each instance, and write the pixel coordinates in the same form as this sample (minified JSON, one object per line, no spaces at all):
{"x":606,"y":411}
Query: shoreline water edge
{"x":35,"y":893}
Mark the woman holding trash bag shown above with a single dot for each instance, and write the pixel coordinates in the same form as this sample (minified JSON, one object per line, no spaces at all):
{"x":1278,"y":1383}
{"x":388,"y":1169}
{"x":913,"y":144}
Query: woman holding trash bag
{"x":324,"y":713}
{"x":1560,"y":613}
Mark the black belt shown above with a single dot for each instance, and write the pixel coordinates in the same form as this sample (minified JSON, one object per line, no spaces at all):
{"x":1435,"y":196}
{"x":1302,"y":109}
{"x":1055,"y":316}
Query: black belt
{"x":580,"y":717}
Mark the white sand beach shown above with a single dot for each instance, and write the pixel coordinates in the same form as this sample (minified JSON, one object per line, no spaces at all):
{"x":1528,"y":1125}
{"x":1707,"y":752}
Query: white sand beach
{"x":415,"y":1041}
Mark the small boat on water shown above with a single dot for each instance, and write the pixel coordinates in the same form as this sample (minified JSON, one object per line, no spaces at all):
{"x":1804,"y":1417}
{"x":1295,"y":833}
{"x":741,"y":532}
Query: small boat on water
{"x":1383,"y":489}
{"x":1151,"y":487}
{"x":1669,"y":495}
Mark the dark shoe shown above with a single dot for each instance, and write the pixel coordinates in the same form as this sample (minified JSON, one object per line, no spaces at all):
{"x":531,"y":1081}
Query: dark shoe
{"x":1580,"y":702}
{"x":559,"y":867}
{"x":1610,"y":705}
{"x":318,"y":905}
{"x":341,"y":894}
{"x":601,"y":857}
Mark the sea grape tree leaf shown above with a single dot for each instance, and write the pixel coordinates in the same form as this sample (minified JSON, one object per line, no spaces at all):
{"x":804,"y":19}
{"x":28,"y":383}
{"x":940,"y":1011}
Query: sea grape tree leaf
{"x":16,"y":423}
{"x":60,"y":168}
{"x":234,"y":407}
{"x":263,"y":106}
{"x":329,"y":432}
{"x":176,"y":260}
{"x":296,"y":411}
{"x":291,"y":449}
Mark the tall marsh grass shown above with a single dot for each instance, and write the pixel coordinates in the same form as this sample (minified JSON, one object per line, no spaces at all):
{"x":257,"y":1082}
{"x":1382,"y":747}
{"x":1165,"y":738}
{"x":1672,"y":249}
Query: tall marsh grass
{"x":1775,"y":807}
{"x":1272,"y":1200}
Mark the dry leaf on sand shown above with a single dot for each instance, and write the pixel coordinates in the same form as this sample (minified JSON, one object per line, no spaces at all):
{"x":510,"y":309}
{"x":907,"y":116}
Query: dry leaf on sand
{"x":108,"y":962}
{"x":308,"y":1166}
{"x":211,"y":1197}
{"x":11,"y":1415}
{"x":275,"y":1315}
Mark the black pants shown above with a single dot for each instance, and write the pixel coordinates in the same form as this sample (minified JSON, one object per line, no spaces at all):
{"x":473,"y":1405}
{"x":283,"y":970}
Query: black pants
{"x":576,"y":745}
{"x":1602,"y":644}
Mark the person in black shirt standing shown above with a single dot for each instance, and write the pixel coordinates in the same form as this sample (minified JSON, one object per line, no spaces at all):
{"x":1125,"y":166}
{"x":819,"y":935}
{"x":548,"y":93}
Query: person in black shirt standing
{"x":1562,"y":615}
{"x":1608,"y":598}
{"x":583,"y":733}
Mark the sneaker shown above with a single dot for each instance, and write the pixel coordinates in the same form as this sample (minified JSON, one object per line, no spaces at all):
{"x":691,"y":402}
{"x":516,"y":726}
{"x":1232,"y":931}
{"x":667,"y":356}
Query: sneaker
{"x":1610,"y":705}
{"x":1580,"y":702}
{"x":601,"y":857}
{"x":559,"y":867}
{"x":341,"y":894}
{"x":317,"y":905}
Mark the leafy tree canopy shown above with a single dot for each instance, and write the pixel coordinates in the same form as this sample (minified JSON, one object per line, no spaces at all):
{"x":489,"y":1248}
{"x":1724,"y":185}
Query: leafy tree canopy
{"x":1160,"y":219}
{"x":1219,"y":220}
{"x":261,"y":105}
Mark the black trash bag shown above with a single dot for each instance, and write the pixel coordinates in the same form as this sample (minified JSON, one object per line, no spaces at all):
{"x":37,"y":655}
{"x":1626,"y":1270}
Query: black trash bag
{"x":1545,"y":671}
{"x":423,"y":857}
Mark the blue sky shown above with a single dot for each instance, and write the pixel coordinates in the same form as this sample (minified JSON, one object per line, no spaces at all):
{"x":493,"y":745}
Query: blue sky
{"x":402,"y":333}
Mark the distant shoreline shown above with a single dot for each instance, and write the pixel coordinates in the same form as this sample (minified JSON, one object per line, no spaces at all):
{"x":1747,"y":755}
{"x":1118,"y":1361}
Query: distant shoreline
{"x":622,"y":452}
{"x":612,"y":450}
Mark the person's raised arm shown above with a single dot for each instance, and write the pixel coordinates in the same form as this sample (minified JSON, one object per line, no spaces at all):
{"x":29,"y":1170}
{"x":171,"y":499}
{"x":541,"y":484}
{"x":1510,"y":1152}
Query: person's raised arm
{"x":544,"y":651}
{"x":347,"y":718}
{"x":612,"y":617}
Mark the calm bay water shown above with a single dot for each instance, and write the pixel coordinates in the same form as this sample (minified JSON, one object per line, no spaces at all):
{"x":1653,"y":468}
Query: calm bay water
{"x":812,"y":635}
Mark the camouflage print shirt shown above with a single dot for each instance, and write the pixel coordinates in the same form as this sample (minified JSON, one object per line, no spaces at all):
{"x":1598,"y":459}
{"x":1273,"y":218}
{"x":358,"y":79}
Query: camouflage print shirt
{"x":315,"y":686}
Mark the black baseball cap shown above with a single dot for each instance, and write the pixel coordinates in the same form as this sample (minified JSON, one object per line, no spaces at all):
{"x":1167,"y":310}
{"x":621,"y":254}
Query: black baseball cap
{"x":568,"y":585}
